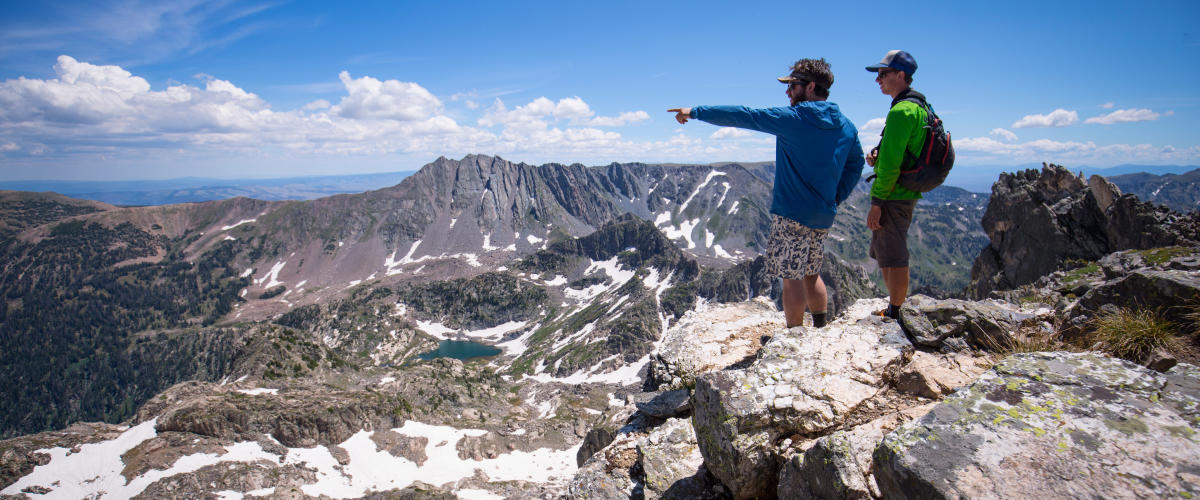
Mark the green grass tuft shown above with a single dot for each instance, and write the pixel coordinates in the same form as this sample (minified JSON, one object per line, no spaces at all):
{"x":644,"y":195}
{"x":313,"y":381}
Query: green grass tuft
{"x":1133,"y":335}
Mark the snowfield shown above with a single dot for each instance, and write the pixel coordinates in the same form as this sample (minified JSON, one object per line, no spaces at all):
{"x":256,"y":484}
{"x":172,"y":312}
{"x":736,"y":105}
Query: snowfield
{"x":95,"y":470}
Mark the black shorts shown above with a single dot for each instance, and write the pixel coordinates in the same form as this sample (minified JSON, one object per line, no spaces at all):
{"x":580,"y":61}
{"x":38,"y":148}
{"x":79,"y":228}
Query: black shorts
{"x":889,"y":245}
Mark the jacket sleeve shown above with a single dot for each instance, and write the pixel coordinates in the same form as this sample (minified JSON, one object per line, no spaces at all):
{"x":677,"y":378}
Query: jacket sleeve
{"x":898,"y":128}
{"x":761,"y":119}
{"x":851,"y":172}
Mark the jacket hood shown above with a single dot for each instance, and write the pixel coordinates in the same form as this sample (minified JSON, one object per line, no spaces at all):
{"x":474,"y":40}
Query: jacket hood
{"x":821,"y":114}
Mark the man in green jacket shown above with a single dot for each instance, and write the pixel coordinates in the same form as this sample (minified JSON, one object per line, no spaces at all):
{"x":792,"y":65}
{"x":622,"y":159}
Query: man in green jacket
{"x":892,"y":205}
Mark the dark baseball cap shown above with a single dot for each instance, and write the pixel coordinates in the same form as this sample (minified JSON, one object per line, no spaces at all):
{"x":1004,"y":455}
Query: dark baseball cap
{"x":896,"y":59}
{"x":795,"y":76}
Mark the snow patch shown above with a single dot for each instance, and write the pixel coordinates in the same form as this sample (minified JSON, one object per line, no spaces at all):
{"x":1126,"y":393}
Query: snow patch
{"x":273,"y":274}
{"x":723,"y":193}
{"x":247,"y":221}
{"x":495,"y":331}
{"x":442,"y":332}
{"x":684,"y":231}
{"x":711,"y":174}
{"x":487,"y":243}
{"x":626,"y":375}
{"x":258,"y":391}
{"x":93,"y":471}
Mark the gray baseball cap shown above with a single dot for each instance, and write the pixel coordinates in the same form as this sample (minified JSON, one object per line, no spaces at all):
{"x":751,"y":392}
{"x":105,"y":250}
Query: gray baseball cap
{"x":896,"y":59}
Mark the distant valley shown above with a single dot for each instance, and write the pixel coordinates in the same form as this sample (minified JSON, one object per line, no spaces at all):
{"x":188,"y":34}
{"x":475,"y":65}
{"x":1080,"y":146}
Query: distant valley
{"x":195,"y":189}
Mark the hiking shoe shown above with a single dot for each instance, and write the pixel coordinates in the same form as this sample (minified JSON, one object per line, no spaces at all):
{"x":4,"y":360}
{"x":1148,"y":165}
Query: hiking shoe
{"x":890,"y":312}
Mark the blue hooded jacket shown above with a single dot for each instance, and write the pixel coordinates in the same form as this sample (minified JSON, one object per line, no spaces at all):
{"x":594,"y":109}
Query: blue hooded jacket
{"x":817,"y":155}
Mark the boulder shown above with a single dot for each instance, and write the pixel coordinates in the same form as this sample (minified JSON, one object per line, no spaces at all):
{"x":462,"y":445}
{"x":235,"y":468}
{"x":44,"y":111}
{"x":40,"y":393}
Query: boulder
{"x":672,"y":464}
{"x":933,"y":376}
{"x":710,"y":338}
{"x":839,"y":465}
{"x":805,"y":381}
{"x":667,"y":404}
{"x":609,"y":473}
{"x":1166,"y":291}
{"x":953,"y":325}
{"x":1052,"y":425}
{"x":603,"y":429}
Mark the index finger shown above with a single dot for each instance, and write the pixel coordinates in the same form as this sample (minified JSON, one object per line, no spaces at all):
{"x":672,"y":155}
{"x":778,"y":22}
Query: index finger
{"x":674,"y":110}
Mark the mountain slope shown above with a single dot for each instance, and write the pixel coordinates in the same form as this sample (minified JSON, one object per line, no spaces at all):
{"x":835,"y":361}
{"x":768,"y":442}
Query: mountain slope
{"x":1180,"y":192}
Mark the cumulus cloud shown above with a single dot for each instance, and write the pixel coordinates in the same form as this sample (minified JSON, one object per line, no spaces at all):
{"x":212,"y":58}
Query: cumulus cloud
{"x":391,"y":99}
{"x":986,"y":149}
{"x":625,"y":118}
{"x":317,"y":104}
{"x":1127,"y":116}
{"x":1057,"y":118}
{"x":106,"y":105}
{"x":873,"y":125}
{"x":107,"y":112}
{"x":538,"y":114}
{"x":730,"y":133}
{"x":1004,"y":134}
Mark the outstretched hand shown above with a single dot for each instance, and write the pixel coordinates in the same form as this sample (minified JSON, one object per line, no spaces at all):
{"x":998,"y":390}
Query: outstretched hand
{"x":681,"y":114}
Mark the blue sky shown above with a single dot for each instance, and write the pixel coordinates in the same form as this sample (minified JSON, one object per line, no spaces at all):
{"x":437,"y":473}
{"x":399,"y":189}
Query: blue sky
{"x":164,"y":89}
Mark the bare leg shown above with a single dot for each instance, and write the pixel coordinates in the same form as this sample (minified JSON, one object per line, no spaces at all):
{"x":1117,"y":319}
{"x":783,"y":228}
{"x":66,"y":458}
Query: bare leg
{"x":896,"y":280}
{"x":814,"y":294}
{"x":793,"y":302}
{"x":797,"y":294}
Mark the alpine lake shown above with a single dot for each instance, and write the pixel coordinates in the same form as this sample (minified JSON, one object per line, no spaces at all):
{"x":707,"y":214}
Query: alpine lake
{"x":461,"y":350}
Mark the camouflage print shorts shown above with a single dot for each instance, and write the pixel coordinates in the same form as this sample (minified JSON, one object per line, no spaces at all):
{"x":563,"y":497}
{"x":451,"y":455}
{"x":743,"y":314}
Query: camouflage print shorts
{"x":793,"y":249}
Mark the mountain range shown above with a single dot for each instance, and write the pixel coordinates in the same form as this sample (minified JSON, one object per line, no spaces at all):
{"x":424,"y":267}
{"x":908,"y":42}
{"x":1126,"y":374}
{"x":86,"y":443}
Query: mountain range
{"x":298,"y":324}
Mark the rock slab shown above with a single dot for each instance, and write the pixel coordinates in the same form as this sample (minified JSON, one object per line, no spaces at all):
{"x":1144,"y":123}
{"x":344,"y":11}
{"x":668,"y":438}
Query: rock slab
{"x":806,"y":381}
{"x":1053,"y":425}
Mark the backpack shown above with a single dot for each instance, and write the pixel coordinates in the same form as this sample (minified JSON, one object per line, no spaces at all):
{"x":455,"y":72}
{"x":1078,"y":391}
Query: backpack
{"x":929,"y":170}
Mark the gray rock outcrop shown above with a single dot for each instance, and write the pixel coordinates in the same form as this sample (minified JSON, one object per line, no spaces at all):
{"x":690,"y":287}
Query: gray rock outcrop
{"x":954,"y":325}
{"x":711,"y":338}
{"x":806,"y":381}
{"x":1052,"y":425}
{"x":1037,"y":220}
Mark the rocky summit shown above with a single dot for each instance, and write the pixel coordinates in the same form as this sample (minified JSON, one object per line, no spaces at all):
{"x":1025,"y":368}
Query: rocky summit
{"x":246,"y":349}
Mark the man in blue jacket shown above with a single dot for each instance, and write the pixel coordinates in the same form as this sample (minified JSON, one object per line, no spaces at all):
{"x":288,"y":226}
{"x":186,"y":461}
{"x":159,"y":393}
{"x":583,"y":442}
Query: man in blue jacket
{"x":817,"y":161}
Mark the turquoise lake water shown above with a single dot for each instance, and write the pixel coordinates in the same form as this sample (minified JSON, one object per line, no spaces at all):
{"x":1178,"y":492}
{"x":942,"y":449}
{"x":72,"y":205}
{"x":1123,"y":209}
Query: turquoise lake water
{"x":460,"y":349}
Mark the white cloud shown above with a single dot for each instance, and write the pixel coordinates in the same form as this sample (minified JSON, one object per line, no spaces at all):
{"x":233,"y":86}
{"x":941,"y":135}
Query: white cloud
{"x":1004,"y":134}
{"x":99,"y":115}
{"x":1057,"y":118}
{"x":873,"y":125}
{"x":538,"y":113}
{"x":985,"y":149}
{"x":622,"y":119}
{"x":730,"y":133}
{"x":390,"y":99}
{"x":1108,"y":105}
{"x":317,"y":104}
{"x":1127,"y":116}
